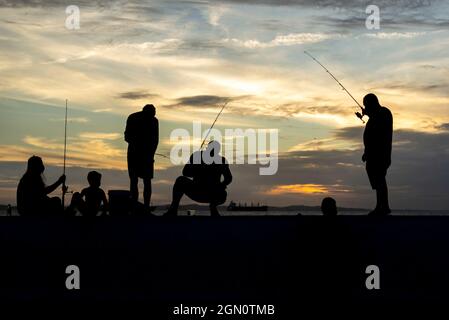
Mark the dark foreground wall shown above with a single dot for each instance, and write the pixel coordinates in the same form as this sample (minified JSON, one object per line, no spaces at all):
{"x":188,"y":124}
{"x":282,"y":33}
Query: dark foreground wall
{"x":292,"y":262}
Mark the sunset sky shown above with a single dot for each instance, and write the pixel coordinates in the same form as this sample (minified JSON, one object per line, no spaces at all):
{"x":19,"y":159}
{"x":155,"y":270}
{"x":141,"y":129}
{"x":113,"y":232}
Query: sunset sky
{"x":187,"y":57}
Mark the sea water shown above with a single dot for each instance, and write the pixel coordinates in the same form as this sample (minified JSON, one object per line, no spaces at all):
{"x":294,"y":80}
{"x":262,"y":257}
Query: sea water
{"x":159,"y":212}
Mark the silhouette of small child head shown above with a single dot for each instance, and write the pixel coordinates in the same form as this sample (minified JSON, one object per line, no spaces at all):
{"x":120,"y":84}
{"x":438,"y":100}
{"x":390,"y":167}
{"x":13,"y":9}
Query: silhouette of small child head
{"x":94,"y":179}
{"x":329,"y":206}
{"x":35,"y":165}
{"x":149,"y":109}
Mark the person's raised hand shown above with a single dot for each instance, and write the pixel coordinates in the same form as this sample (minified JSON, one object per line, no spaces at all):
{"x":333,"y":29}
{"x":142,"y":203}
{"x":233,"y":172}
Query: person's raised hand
{"x":62,"y":179}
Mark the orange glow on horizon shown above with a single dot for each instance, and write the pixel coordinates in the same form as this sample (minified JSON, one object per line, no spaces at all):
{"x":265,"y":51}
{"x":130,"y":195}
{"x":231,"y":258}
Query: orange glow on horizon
{"x":298,"y":188}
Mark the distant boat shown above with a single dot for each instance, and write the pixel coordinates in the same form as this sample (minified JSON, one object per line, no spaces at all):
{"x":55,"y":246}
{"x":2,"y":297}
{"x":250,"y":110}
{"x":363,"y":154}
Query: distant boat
{"x":234,"y":207}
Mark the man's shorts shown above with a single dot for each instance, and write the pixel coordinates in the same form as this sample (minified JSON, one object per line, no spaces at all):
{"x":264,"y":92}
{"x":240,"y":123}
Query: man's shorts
{"x":140,"y":165}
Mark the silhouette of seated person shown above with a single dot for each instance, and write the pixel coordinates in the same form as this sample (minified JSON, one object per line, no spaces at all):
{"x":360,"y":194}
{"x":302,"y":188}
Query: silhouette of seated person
{"x":377,"y":139}
{"x":204,"y":179}
{"x":142,"y":136}
{"x":91,"y":199}
{"x":329,"y":207}
{"x":32,"y":193}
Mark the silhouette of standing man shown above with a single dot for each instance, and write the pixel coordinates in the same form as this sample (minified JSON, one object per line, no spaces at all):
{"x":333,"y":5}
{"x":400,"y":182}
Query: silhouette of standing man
{"x":142,"y":135}
{"x":377,"y":139}
{"x":201,"y":180}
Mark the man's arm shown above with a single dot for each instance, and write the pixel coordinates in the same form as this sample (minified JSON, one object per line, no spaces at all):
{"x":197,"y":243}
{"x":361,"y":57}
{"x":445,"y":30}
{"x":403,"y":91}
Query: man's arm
{"x":227,"y":176}
{"x":105,"y":201}
{"x":156,"y":134}
{"x":388,"y":136}
{"x":49,"y":189}
{"x":154,"y":138}
{"x":189,"y":169}
{"x":128,"y":130}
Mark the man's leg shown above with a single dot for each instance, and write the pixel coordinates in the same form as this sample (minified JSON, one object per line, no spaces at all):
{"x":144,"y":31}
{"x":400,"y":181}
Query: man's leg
{"x":133,"y":187}
{"x":182,"y":184}
{"x":147,"y":192}
{"x":213,"y":210}
{"x":378,"y":199}
{"x":219,"y":198}
{"x":52,"y":206}
{"x":77,"y":203}
{"x":382,"y":197}
{"x":382,"y":206}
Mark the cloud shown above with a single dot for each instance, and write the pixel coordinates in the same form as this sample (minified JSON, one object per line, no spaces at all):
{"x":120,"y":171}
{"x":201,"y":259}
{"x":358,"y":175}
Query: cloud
{"x":295,"y":108}
{"x":393,"y":19}
{"x":436,"y":85}
{"x":165,"y":44}
{"x":313,"y":3}
{"x":280,"y":40}
{"x":43,"y":143}
{"x":411,"y":4}
{"x":88,"y":150}
{"x":43,"y":3}
{"x":100,"y":135}
{"x":349,"y":133}
{"x":328,"y":144}
{"x":102,"y":110}
{"x":394,"y":35}
{"x":73,"y":119}
{"x":105,"y":50}
{"x":215,"y":12}
{"x":444,"y":127}
{"x":201,"y":101}
{"x":136,"y":95}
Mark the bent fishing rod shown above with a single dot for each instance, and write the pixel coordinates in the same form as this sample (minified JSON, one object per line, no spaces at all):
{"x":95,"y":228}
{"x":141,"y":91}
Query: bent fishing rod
{"x":213,"y":123}
{"x":358,"y":114}
{"x":208,"y":132}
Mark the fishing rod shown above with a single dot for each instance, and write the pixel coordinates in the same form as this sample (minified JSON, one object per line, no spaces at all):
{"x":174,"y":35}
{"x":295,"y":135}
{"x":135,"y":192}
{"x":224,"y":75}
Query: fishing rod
{"x":358,"y":114}
{"x":64,"y":187}
{"x":216,"y":118}
{"x":161,"y":155}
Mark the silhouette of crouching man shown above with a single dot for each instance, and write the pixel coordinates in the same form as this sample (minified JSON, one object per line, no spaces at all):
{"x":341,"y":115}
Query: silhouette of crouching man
{"x":201,"y":180}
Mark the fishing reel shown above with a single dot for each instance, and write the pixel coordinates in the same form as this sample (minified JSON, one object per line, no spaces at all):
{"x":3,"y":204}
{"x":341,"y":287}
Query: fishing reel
{"x":65,"y":190}
{"x":360,"y":115}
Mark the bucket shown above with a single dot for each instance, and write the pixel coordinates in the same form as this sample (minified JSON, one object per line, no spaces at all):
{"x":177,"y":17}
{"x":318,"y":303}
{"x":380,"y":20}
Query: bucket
{"x":120,"y":202}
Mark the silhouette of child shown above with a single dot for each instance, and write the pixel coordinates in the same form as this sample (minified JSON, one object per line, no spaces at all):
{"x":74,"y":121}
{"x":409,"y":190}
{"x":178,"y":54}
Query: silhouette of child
{"x":91,"y":199}
{"x":329,"y":207}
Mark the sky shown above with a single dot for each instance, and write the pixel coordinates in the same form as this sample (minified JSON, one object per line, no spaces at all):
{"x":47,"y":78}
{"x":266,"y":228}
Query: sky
{"x":188,"y":57}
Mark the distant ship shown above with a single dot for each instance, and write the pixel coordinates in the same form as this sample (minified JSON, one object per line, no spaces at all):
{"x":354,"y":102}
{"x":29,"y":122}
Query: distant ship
{"x":234,"y":207}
